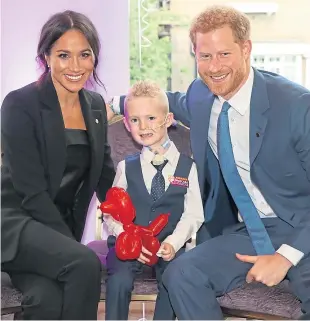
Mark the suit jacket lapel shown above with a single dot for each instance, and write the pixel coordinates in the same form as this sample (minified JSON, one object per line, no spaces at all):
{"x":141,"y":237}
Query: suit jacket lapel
{"x":258,"y":114}
{"x":96,"y":132}
{"x":53,"y":128}
{"x":54,"y":132}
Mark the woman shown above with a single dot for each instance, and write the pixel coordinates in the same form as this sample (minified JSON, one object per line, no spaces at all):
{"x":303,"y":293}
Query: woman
{"x":55,"y":156}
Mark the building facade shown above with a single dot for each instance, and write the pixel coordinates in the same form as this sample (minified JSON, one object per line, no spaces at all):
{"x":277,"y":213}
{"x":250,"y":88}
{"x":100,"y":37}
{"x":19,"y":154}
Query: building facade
{"x":281,"y":40}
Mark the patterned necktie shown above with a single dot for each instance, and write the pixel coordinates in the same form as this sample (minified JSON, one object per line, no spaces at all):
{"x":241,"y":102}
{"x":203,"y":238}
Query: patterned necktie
{"x":158,"y":182}
{"x":256,"y":229}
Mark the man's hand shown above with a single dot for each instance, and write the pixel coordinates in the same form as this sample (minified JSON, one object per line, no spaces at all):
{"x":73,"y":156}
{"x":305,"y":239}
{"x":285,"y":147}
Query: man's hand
{"x":143,"y":259}
{"x":166,"y":251}
{"x":267,"y":269}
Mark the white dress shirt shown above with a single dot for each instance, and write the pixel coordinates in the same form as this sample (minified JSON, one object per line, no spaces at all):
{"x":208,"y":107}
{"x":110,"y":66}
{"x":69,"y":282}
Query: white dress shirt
{"x":193,"y":215}
{"x":239,"y":126}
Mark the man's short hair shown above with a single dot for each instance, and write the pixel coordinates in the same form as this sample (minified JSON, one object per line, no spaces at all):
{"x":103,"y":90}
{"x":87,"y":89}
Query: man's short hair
{"x":216,"y":17}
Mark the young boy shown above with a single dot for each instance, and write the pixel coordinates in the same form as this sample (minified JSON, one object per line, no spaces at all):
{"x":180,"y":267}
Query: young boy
{"x":158,"y":180}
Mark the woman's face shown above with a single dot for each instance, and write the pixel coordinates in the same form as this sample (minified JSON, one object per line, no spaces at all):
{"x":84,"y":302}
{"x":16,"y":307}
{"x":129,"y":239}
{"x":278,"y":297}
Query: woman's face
{"x":71,"y":61}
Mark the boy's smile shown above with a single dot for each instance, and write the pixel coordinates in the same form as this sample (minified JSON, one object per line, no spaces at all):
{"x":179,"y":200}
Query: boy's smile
{"x":147,"y":121}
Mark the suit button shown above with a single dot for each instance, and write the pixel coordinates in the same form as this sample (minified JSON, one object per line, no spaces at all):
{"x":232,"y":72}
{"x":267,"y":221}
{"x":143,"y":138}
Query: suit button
{"x":153,"y":209}
{"x":150,"y":222}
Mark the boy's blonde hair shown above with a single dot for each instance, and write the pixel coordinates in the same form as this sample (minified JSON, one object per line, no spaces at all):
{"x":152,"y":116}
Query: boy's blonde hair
{"x":147,"y":88}
{"x":216,"y":17}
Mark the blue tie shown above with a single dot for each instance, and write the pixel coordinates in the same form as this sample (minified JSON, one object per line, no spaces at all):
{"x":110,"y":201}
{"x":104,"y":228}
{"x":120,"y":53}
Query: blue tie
{"x":256,"y":229}
{"x":158,"y":182}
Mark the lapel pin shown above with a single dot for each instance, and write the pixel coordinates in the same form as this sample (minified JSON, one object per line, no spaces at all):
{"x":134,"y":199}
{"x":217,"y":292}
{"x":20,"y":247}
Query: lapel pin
{"x":97,"y":121}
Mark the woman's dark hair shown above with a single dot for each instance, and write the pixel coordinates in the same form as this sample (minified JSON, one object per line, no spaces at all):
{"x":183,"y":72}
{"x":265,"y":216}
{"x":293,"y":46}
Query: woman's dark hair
{"x":60,"y":23}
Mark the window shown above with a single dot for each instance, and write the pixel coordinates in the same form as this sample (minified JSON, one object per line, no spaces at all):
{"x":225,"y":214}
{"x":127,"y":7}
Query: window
{"x":287,"y":59}
{"x":164,"y":4}
{"x":289,"y":66}
{"x":160,"y":45}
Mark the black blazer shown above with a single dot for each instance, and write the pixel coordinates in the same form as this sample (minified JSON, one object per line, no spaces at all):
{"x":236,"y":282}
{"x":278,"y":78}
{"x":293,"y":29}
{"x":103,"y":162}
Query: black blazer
{"x":34,"y":156}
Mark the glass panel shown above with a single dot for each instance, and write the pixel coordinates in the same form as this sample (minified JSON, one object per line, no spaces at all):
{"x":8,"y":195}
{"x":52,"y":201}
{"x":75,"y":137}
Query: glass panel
{"x":285,"y":65}
{"x":160,"y":48}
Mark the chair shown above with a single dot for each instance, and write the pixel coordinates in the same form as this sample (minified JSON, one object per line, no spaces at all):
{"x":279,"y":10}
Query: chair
{"x":10,"y":298}
{"x":252,"y":301}
{"x":257,"y":301}
{"x":122,"y":144}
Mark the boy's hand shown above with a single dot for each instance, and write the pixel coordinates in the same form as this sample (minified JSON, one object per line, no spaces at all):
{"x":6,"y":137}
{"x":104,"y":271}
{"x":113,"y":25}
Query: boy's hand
{"x":166,"y":251}
{"x":143,"y":259}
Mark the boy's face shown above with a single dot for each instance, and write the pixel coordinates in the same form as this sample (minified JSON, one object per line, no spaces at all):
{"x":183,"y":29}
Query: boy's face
{"x":147,"y":121}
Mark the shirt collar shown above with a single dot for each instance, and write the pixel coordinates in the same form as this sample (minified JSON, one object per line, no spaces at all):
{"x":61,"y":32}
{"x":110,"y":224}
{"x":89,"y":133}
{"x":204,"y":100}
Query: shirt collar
{"x":170,"y":154}
{"x":242,"y":99}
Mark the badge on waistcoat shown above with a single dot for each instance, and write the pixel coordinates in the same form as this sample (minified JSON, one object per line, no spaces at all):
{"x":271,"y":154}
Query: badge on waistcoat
{"x":178,"y":181}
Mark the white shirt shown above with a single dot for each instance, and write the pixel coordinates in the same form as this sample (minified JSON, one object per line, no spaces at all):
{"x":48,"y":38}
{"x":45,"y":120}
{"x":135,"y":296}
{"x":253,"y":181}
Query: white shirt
{"x":239,"y":126}
{"x":193,"y":215}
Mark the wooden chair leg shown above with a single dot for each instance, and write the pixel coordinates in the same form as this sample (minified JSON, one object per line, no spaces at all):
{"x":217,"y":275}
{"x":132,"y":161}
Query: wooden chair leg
{"x":250,"y":315}
{"x":11,"y":310}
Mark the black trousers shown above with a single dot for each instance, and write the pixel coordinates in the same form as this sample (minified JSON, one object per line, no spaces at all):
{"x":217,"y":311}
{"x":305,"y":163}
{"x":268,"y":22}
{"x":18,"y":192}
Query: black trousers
{"x":59,"y":277}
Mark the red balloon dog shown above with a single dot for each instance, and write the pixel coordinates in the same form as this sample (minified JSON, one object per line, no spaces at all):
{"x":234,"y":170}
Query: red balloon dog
{"x":129,"y":243}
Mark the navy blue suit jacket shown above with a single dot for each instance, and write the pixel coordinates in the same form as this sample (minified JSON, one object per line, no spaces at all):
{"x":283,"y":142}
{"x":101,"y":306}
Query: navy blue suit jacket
{"x":279,"y":152}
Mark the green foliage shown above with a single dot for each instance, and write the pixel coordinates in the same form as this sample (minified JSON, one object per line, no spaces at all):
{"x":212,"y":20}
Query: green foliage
{"x":155,"y":53}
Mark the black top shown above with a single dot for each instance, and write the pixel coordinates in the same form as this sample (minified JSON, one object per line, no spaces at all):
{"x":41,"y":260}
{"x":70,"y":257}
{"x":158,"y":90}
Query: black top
{"x":77,"y":166}
{"x":34,"y":154}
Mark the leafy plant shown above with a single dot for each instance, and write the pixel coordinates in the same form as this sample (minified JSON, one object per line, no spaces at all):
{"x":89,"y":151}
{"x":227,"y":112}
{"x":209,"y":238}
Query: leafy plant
{"x":150,"y":43}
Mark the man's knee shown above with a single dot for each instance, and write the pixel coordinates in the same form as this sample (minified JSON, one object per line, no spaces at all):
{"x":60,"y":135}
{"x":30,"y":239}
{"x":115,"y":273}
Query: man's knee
{"x":43,"y":301}
{"x":176,"y":271}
